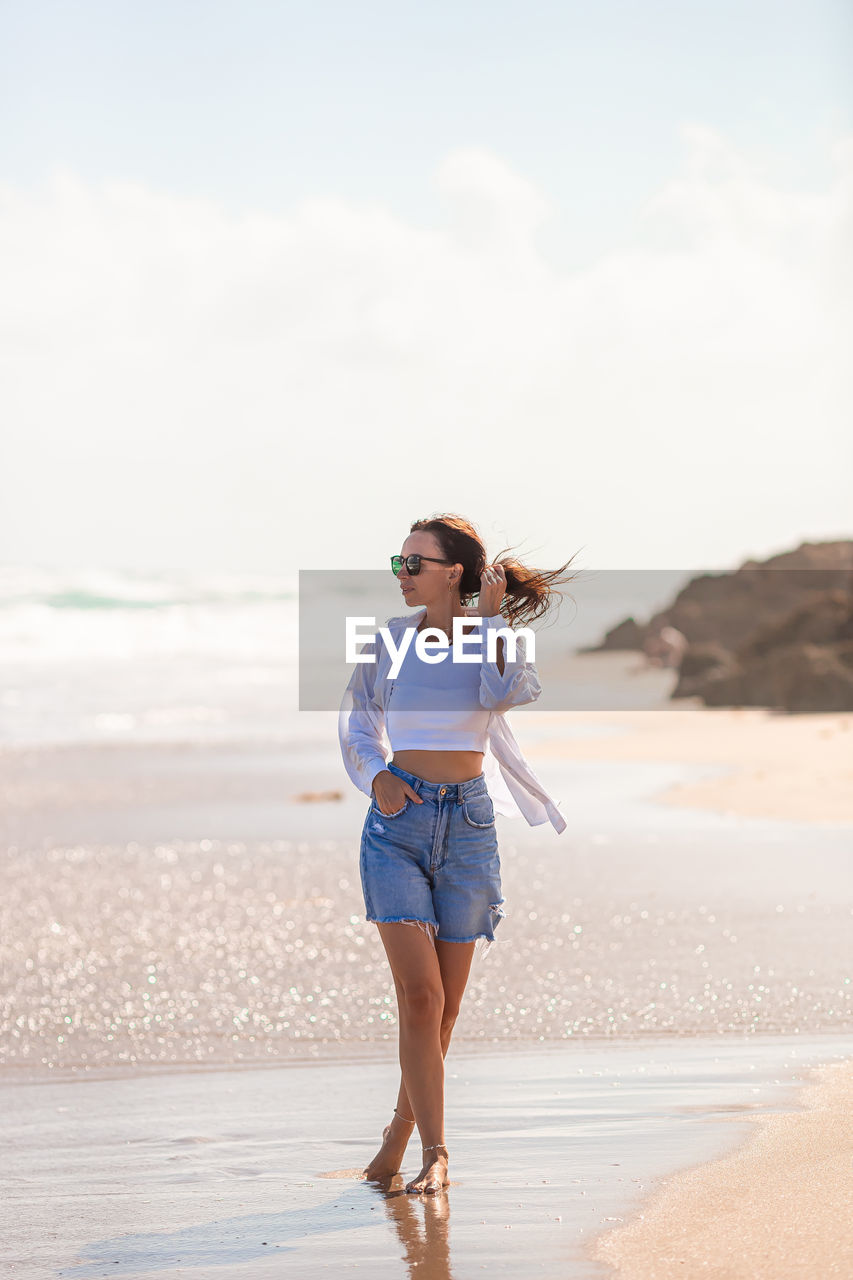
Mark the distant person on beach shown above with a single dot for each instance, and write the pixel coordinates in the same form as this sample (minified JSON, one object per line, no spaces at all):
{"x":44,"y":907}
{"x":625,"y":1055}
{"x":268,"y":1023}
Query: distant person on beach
{"x":429,"y":856}
{"x":665,"y":648}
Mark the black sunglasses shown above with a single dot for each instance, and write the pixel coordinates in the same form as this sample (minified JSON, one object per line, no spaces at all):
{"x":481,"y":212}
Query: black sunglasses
{"x":412,"y":563}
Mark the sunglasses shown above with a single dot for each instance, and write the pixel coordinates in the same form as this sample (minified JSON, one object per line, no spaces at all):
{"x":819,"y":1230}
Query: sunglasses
{"x":412,"y":563}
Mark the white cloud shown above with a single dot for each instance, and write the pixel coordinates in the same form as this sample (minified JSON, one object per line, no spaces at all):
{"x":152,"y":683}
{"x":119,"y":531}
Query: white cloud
{"x":161,"y":350}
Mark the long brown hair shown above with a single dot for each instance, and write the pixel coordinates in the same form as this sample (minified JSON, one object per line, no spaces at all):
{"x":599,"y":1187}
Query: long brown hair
{"x":529,"y":592}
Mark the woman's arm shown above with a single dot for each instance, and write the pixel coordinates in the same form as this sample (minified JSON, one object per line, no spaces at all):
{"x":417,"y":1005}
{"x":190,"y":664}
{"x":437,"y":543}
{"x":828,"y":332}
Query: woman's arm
{"x":360,"y":728}
{"x":505,"y":683}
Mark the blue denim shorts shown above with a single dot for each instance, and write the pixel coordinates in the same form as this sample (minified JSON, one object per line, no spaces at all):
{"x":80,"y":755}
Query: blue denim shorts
{"x":436,"y":864}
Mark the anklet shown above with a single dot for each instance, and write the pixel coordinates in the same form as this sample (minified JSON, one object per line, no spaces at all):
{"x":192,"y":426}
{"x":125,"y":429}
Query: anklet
{"x":435,"y":1146}
{"x":403,"y":1118}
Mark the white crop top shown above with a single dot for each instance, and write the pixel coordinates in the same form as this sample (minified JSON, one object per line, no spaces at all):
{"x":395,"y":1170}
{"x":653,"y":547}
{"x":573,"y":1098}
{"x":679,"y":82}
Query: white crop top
{"x":436,"y":706}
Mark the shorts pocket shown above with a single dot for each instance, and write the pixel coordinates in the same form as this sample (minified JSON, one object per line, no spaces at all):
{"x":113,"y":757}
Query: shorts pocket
{"x":374,"y":808}
{"x":478,"y":810}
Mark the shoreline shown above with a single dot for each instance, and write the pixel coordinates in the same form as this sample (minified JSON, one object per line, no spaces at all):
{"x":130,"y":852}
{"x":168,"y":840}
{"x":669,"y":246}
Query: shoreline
{"x":796,"y":768}
{"x":547,"y":1148}
{"x":383,"y":1054}
{"x":148,"y":845}
{"x":776,"y":1208}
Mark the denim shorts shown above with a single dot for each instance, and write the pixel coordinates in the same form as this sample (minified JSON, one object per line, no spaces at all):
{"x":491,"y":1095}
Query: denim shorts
{"x":435,"y":864}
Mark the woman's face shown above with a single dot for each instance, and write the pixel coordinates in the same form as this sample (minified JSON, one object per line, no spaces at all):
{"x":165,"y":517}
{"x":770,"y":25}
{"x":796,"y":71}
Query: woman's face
{"x":430,"y":585}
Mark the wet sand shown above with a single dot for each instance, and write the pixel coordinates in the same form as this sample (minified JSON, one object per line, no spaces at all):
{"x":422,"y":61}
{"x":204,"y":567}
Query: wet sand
{"x":242,"y":1173}
{"x":189,"y":989}
{"x":154,"y":949}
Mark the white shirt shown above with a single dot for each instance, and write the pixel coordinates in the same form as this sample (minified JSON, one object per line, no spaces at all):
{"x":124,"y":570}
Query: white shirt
{"x":511,"y":782}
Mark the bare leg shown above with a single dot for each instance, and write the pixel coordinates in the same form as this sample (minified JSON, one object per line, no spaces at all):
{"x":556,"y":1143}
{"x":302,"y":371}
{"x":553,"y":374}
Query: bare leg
{"x":395,"y":1136}
{"x":414,"y":964}
{"x":454,"y":960}
{"x":454,"y":965}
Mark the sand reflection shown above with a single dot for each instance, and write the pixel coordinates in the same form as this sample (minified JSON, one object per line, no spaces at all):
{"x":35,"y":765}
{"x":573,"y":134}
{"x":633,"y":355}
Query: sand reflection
{"x":421,"y":1226}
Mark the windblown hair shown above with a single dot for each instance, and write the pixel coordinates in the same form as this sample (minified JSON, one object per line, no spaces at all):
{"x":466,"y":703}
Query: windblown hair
{"x":530,"y":592}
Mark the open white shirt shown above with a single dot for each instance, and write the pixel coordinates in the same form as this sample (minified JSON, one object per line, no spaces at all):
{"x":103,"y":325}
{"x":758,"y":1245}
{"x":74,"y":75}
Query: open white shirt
{"x":512,"y":784}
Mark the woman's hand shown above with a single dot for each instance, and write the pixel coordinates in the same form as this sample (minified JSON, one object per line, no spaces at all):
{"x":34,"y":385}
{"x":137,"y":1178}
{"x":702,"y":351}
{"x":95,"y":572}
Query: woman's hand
{"x":391,"y":792}
{"x":492,"y":590}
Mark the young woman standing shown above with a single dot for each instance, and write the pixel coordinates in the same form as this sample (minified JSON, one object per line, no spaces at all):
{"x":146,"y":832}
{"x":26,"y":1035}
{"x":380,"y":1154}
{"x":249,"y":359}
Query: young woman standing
{"x":429,"y":862}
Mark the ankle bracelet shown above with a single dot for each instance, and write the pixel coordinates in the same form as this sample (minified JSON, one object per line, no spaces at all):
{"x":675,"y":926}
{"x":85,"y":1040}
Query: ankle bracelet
{"x":403,"y":1118}
{"x":435,"y":1146}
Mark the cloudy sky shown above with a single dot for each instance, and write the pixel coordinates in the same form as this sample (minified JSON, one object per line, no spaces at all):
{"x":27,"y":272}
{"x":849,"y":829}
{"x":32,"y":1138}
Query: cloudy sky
{"x":279,"y":278}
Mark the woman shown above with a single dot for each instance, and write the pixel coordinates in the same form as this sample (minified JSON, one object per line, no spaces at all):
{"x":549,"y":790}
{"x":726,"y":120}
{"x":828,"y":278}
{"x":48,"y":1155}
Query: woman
{"x":429,"y":858}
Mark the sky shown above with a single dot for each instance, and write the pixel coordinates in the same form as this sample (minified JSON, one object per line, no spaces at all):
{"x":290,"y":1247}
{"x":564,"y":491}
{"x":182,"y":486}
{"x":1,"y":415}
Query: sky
{"x":279,"y":279}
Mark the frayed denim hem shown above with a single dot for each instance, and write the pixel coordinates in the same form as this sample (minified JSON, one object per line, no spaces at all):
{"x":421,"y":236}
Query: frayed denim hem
{"x":427,"y":926}
{"x":483,"y":942}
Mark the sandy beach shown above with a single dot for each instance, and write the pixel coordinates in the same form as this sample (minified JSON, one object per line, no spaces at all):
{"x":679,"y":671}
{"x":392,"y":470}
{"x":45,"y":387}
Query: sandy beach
{"x":796,"y":768}
{"x":777,"y":1208}
{"x":190,"y":994}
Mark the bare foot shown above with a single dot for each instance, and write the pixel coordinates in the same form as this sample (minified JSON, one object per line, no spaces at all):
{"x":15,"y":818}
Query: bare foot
{"x":433,"y":1176}
{"x":389,"y":1157}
